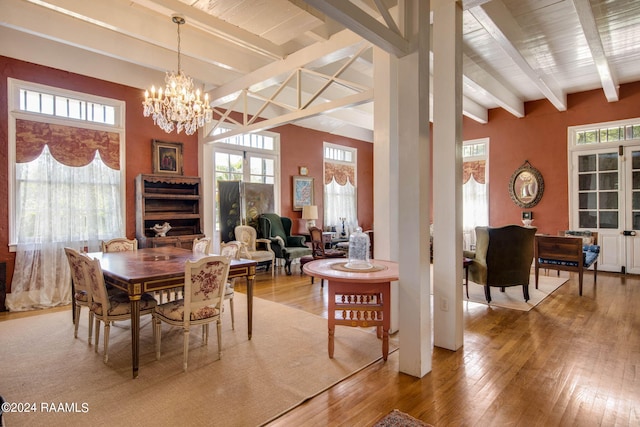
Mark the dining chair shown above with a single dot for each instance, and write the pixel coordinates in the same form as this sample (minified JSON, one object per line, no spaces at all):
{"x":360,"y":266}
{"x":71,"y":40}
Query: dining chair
{"x":231,"y":250}
{"x":81,"y":289}
{"x":258,"y":250}
{"x":120,"y":244}
{"x":204,"y":287}
{"x":202,"y":245}
{"x":109,"y":307}
{"x":319,"y":251}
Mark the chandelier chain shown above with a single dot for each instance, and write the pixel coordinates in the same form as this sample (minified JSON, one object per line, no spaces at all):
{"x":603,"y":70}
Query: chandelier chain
{"x":178,"y":46}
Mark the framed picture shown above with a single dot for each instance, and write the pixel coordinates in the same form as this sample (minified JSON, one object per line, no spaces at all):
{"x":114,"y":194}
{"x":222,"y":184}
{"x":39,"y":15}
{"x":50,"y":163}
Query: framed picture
{"x":167,"y":157}
{"x":302,"y":192}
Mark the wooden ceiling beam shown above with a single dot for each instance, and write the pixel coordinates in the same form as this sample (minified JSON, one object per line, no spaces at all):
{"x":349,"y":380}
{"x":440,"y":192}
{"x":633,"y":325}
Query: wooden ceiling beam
{"x":500,"y":24}
{"x":591,"y":33}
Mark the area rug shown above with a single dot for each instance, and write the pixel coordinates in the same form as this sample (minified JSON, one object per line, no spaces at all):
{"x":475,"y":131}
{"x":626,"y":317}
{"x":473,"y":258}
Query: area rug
{"x":513,"y":298}
{"x":398,"y":418}
{"x":284,"y":364}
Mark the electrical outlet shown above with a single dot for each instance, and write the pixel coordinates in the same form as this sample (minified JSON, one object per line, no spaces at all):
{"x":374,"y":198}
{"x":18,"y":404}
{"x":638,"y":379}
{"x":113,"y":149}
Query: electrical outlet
{"x":444,"y":304}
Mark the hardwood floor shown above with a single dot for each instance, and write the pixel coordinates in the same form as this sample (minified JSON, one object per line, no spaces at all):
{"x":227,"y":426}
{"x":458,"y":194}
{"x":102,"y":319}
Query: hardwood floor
{"x":571,"y":361}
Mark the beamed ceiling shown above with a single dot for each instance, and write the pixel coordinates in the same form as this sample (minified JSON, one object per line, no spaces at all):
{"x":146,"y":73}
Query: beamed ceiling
{"x":295,"y":61}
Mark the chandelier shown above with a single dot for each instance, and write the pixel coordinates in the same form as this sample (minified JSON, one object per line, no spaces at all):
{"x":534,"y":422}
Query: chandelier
{"x":178,"y":106}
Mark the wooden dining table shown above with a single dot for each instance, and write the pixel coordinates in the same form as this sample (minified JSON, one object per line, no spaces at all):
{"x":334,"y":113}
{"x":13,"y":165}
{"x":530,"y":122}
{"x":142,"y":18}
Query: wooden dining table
{"x":157,"y":269}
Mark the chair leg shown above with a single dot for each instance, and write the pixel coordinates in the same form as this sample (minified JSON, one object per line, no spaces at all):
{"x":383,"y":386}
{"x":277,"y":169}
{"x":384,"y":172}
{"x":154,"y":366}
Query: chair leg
{"x":580,"y":282}
{"x":287,"y":264}
{"x":233,"y":320}
{"x":219,"y":329}
{"x":97,"y":340}
{"x":487,"y":293}
{"x":76,"y":317}
{"x":90,"y":326}
{"x":525,"y":291}
{"x":185,"y":350}
{"x":107,"y":329}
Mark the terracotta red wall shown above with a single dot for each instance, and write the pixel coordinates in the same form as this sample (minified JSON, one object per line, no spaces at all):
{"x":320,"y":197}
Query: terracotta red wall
{"x":299,"y":146}
{"x":541,"y":138}
{"x":304,"y":147}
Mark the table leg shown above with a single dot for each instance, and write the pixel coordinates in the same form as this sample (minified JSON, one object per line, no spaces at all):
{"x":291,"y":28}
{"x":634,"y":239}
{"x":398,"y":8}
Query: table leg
{"x":332,"y":317}
{"x":250,"y":279}
{"x":135,"y":333}
{"x":386,"y":318}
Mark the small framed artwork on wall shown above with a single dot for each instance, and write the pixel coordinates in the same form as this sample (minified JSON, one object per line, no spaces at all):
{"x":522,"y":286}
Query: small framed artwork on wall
{"x":167,"y":157}
{"x":302,"y":192}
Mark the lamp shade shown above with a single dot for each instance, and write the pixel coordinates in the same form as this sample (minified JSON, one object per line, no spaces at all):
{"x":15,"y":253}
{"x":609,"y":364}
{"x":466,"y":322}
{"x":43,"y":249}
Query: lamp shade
{"x":310,"y":212}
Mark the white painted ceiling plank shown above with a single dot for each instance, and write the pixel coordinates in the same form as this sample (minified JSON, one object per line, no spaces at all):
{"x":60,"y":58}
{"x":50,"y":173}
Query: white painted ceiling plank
{"x":107,"y":31}
{"x":217,"y":27}
{"x":498,"y":22}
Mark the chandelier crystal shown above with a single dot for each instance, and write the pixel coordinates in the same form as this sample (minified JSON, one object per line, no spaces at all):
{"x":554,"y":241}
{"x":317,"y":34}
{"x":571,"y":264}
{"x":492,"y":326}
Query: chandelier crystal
{"x":178,"y":107}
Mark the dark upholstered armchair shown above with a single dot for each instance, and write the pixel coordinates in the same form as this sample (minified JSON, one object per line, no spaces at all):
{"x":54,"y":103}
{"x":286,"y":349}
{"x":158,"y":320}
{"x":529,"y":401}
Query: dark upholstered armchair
{"x":502,"y":258}
{"x":278,"y":229}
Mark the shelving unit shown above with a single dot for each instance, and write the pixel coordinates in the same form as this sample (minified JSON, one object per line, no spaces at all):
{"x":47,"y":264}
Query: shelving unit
{"x":172,"y":199}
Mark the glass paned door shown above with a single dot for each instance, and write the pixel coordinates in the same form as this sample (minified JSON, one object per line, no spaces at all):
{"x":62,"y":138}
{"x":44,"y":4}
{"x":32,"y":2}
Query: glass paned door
{"x":598,"y":185}
{"x":606,"y":199}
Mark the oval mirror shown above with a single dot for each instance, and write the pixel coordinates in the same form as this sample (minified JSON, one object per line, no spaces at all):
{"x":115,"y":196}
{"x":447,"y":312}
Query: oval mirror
{"x":526,"y":186}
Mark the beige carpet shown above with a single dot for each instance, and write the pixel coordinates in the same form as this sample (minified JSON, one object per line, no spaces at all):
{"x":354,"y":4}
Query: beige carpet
{"x":284,"y":364}
{"x":513,"y":298}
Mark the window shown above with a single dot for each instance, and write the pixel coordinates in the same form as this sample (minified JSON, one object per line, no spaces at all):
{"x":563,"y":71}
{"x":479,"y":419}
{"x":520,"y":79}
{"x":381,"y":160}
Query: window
{"x":340,"y":200}
{"x":66,"y":191}
{"x":607,"y":132}
{"x":248,"y":158}
{"x":37,"y":101}
{"x":475,"y":195}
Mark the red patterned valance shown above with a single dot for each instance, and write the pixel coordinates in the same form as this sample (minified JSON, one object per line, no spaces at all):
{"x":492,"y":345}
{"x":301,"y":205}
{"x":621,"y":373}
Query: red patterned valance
{"x":340,"y":172}
{"x":70,"y":146}
{"x":476,"y":169}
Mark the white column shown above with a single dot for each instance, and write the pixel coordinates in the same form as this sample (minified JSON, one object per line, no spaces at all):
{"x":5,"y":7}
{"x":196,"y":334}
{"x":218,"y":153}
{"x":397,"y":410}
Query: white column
{"x":447,"y":167}
{"x":385,"y":165}
{"x":414,"y":194}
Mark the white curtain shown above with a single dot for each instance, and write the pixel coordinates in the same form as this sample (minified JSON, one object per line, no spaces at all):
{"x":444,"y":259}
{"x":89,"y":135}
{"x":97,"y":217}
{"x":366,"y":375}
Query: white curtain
{"x":475,"y":210}
{"x":340,"y":202}
{"x":58,"y":206}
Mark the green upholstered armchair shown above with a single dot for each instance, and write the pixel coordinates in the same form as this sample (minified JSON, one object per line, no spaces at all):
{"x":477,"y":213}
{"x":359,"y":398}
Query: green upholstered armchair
{"x":278,"y":229}
{"x":503,"y":257}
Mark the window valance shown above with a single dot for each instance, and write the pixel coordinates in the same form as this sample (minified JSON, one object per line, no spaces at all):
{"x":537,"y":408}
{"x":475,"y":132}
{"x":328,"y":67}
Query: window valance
{"x":70,"y":146}
{"x":475,"y":168}
{"x":340,"y":172}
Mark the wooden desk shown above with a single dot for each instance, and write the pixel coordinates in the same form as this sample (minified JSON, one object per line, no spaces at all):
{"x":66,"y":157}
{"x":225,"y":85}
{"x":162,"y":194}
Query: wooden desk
{"x":155,"y":269}
{"x":364,"y":296}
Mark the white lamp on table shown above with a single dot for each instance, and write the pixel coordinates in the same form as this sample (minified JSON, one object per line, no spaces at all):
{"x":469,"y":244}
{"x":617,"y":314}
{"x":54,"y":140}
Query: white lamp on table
{"x":310,"y":213}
